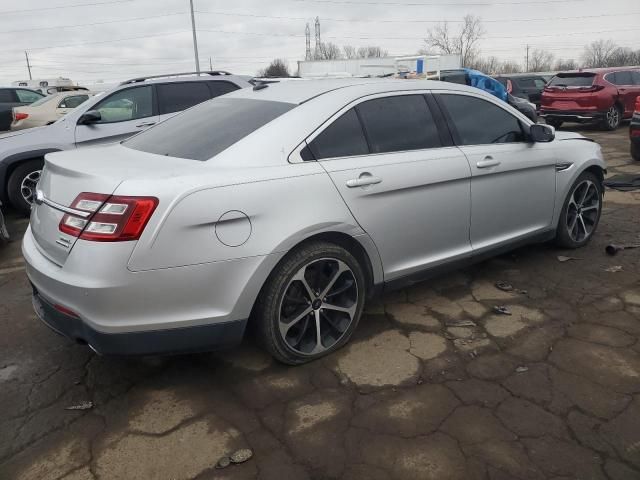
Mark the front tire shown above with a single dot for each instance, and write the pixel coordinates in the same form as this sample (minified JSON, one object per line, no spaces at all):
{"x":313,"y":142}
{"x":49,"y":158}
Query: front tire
{"x":21,"y":187}
{"x":581,"y":212}
{"x":311,"y":303}
{"x":612,"y":118}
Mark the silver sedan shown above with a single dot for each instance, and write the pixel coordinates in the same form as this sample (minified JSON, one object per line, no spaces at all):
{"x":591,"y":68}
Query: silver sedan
{"x":291,"y":204}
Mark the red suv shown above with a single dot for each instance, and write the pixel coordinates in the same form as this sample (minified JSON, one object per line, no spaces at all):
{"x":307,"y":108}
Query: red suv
{"x":603,"y":95}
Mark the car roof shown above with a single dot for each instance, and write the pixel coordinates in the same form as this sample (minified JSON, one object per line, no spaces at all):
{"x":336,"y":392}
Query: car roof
{"x":518,"y":75}
{"x":600,"y":70}
{"x":185,"y":77}
{"x":308,"y":89}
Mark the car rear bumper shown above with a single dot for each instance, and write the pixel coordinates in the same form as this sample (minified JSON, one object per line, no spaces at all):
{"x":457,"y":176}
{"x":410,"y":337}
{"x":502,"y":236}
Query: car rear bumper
{"x":170,"y":341}
{"x":168,"y":310}
{"x":578,"y":116}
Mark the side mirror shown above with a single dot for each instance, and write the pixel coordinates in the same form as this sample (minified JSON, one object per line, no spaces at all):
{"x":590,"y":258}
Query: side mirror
{"x":92,"y":116}
{"x":542,"y":133}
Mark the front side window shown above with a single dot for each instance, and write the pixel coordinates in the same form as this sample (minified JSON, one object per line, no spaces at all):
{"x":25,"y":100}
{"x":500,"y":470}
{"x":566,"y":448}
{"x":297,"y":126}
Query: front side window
{"x":175,"y":97}
{"x":209,"y":128}
{"x":129,"y":104}
{"x":398,"y":123}
{"x":26,"y":96}
{"x":73,"y":101}
{"x":479,"y":122}
{"x":343,"y":138}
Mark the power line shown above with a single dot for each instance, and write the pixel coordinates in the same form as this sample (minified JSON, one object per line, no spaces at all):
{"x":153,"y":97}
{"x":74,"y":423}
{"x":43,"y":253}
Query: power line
{"x":6,"y":12}
{"x":95,"y":23}
{"x":351,"y":20}
{"x":104,"y":41}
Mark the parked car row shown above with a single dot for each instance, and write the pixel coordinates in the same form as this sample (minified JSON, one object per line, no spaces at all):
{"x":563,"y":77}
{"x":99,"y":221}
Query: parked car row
{"x":11,"y":97}
{"x":130,"y":108}
{"x":47,"y":110}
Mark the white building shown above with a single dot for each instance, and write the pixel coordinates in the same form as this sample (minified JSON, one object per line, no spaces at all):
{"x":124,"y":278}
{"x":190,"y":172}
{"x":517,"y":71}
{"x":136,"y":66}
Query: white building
{"x":420,"y":65}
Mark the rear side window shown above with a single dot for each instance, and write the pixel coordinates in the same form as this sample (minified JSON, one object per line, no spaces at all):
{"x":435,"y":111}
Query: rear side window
{"x":220,"y":88}
{"x":175,"y":97}
{"x":572,"y":80}
{"x":398,"y":123}
{"x":73,"y":101}
{"x":6,"y":96}
{"x":209,"y":128}
{"x":343,"y":138}
{"x":479,"y":122}
{"x":619,"y":78}
{"x":636,"y":77}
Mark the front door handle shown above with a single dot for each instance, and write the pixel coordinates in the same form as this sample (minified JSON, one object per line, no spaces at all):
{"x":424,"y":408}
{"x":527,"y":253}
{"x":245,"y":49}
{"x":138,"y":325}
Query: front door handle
{"x":147,"y":124}
{"x":488,"y":162}
{"x":364,"y":180}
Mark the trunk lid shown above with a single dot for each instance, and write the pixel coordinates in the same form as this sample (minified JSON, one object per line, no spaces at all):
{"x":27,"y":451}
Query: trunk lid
{"x":96,"y":170}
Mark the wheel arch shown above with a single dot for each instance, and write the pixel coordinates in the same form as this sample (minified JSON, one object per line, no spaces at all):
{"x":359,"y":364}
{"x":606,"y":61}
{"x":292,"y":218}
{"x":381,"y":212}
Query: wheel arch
{"x":11,"y":162}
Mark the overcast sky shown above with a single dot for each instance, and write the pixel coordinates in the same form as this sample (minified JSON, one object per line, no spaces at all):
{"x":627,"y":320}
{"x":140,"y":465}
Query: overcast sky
{"x":111,"y":40}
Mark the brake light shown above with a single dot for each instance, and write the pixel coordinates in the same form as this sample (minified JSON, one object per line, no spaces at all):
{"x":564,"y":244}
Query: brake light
{"x":637,"y":109}
{"x":20,"y":116}
{"x":593,"y":88}
{"x":111,"y":218}
{"x":634,"y":133}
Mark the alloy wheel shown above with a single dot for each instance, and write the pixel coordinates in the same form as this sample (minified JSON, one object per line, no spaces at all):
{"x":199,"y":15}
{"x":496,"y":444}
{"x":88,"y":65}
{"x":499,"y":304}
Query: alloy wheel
{"x":28,"y":186}
{"x":318,"y":306}
{"x":613,"y":117}
{"x":583,"y":211}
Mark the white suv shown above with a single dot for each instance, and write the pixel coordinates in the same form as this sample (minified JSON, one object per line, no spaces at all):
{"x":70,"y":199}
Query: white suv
{"x":129,"y":108}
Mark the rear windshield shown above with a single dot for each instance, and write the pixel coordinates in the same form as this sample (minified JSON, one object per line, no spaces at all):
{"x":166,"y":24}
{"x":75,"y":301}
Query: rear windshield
{"x":43,"y":100}
{"x":572,"y":80}
{"x":205,"y":130}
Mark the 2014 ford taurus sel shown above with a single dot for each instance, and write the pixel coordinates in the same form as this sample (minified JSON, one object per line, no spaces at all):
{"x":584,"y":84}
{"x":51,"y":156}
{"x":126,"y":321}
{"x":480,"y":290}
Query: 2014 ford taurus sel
{"x":291,"y":204}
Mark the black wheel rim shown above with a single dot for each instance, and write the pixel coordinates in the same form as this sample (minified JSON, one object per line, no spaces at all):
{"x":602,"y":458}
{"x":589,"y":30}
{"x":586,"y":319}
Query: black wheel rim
{"x":583,"y":211}
{"x":318,"y":306}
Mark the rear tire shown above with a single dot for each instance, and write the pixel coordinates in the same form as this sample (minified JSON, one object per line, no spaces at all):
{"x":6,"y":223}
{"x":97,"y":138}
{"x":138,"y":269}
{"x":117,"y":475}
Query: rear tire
{"x":302,"y":296}
{"x":612,"y":118}
{"x":635,"y":151}
{"x":554,"y":123}
{"x":581,"y":212}
{"x":21,"y":187}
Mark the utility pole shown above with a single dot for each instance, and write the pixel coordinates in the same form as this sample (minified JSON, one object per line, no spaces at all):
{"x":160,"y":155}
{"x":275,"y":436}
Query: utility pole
{"x":195,"y":39}
{"x":26,"y":55}
{"x":210,"y":65}
{"x":318,"y":40}
{"x":527,"y":59}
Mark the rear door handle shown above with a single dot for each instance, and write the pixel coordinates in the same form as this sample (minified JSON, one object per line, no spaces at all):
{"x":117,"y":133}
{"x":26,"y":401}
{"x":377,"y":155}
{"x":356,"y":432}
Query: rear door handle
{"x":488,"y":162}
{"x":147,"y":124}
{"x":363,"y":181}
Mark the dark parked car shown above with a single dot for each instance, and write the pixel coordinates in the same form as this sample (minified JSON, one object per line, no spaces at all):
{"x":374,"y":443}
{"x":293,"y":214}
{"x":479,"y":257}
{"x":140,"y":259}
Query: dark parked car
{"x":14,"y":97}
{"x":603,"y":95}
{"x":634,"y":132}
{"x":524,"y":85}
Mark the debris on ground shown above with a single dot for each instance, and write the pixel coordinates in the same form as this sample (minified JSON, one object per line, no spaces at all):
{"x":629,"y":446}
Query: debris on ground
{"x":504,"y":286}
{"x":614,"y":268}
{"x":241,"y":456}
{"x":522,"y":369}
{"x":81,"y":406}
{"x":612,"y":249}
{"x":562,"y":258}
{"x":224,"y":462}
{"x":501,"y":309}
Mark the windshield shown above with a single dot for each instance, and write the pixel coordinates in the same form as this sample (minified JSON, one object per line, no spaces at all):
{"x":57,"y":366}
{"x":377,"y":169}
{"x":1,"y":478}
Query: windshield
{"x":572,"y":80}
{"x":205,"y":130}
{"x":43,"y":100}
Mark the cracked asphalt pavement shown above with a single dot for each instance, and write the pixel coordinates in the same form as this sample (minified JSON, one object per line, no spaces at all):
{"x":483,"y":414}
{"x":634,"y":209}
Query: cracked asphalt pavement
{"x":434,"y":385}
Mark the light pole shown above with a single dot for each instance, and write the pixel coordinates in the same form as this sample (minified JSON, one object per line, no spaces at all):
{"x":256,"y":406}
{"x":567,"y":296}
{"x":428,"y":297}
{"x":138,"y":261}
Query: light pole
{"x":195,"y":39}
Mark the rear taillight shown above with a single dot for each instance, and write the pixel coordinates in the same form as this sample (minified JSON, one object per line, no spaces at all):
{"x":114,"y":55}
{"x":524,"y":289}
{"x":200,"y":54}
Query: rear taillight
{"x":634,"y":133}
{"x":111,"y":218}
{"x":592,"y":88}
{"x":20,"y":116}
{"x":637,"y":109}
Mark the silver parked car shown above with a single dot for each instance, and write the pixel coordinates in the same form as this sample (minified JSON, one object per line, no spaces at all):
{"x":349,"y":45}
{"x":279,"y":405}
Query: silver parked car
{"x":131,"y":107}
{"x":291,"y":204}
